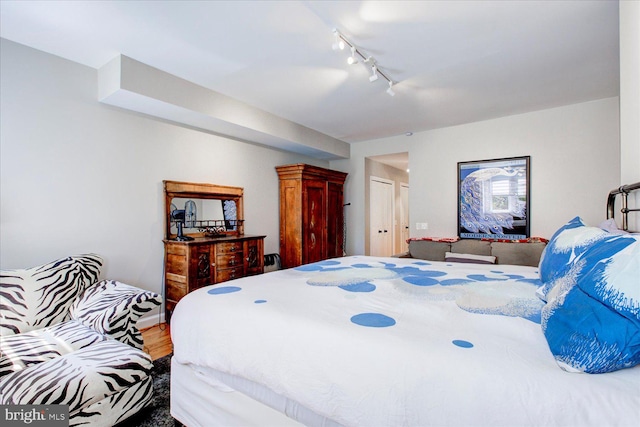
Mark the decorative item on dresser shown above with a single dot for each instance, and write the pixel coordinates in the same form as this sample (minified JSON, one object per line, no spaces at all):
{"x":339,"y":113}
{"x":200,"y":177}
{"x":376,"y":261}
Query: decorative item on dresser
{"x":311,"y":214}
{"x":210,"y":250}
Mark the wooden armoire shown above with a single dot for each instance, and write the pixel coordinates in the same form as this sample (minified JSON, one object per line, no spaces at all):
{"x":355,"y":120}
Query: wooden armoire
{"x":311,"y":214}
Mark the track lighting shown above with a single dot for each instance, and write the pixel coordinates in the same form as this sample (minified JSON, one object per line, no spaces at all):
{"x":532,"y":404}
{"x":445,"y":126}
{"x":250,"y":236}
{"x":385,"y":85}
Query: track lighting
{"x":390,"y":91}
{"x":352,"y":59}
{"x":341,"y":41}
{"x":338,"y":43}
{"x":374,"y":73}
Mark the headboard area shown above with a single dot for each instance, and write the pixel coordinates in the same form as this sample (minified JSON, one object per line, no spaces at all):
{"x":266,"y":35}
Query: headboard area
{"x":623,"y":191}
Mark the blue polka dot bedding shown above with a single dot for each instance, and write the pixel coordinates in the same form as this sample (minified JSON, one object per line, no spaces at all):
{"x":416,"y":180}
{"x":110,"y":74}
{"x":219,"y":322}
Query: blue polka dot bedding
{"x":369,"y":341}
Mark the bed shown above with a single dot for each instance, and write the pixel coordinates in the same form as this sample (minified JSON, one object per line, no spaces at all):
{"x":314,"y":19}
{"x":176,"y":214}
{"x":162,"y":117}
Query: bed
{"x":369,"y":341}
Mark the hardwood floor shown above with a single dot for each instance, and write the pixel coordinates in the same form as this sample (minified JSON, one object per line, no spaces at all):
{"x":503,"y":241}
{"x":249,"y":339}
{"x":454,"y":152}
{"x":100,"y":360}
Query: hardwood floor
{"x":157,"y":340}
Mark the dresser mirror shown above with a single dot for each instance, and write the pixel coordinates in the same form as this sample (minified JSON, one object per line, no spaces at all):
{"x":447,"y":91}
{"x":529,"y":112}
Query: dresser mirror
{"x":202,"y":210}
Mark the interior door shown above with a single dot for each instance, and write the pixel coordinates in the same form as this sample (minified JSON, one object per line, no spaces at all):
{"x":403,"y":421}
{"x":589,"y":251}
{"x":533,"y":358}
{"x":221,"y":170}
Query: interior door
{"x":381,"y":217}
{"x":404,"y":217}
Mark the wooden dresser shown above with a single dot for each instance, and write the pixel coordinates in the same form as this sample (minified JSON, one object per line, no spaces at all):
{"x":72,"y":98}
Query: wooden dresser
{"x":204,"y":261}
{"x":311,"y":214}
{"x":204,"y":239}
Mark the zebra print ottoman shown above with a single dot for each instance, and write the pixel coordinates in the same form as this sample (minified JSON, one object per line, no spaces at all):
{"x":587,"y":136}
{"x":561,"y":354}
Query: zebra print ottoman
{"x":23,"y":350}
{"x":103,"y":384}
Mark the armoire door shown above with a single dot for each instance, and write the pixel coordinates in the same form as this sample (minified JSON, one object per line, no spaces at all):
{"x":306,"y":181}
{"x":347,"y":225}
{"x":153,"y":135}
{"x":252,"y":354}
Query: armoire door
{"x":335,"y":221}
{"x":314,"y":211}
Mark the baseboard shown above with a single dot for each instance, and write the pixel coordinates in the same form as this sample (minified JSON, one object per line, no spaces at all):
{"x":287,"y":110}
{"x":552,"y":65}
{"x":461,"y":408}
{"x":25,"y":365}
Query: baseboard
{"x":151,"y":319}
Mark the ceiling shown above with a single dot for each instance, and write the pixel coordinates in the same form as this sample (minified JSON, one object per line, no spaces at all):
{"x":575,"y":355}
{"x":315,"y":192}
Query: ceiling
{"x":452,"y":62}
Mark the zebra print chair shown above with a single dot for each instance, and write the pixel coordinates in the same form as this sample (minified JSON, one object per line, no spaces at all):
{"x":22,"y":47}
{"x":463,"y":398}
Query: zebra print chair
{"x":66,"y":338}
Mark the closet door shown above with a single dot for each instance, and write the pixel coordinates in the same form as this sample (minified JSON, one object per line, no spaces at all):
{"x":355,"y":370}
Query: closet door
{"x":404,"y":218}
{"x":381,"y":217}
{"x":314,"y":220}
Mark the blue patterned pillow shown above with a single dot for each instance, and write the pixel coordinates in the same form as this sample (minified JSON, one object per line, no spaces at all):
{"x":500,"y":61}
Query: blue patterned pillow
{"x":592,"y":317}
{"x":560,"y":256}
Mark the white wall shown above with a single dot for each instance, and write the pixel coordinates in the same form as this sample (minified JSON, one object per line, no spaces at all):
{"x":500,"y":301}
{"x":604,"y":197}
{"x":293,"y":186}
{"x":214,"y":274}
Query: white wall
{"x":78,"y":176}
{"x":575,"y":162}
{"x":630,"y":101}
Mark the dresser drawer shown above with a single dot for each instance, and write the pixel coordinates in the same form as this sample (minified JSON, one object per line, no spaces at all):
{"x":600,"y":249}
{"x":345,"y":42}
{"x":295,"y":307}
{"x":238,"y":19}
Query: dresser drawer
{"x":229,"y":274}
{"x":229,"y":260}
{"x":177,"y":249}
{"x":176,"y":264}
{"x":175,"y":290}
{"x":228,"y":248}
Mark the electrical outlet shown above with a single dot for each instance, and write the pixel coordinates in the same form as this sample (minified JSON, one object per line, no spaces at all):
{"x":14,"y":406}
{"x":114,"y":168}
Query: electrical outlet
{"x":422,"y":226}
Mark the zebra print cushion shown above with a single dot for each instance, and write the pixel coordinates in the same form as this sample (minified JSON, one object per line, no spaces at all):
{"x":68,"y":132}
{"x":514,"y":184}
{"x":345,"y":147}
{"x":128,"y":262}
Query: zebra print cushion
{"x":23,"y":350}
{"x":115,"y":408}
{"x":38,"y":297}
{"x":113,"y":308}
{"x":102,"y":384}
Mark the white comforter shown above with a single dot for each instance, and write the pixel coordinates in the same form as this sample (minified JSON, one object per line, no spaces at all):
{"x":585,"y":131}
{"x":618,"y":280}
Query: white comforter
{"x":399,"y":342}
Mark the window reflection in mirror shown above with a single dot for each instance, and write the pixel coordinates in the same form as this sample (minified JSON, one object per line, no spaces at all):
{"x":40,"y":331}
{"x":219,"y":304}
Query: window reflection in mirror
{"x":198,"y":211}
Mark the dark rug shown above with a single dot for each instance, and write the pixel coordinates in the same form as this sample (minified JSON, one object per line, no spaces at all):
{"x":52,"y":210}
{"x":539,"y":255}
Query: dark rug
{"x":157,"y":414}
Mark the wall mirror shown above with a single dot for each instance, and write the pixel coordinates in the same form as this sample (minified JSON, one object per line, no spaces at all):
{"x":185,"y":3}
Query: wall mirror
{"x":195,"y":210}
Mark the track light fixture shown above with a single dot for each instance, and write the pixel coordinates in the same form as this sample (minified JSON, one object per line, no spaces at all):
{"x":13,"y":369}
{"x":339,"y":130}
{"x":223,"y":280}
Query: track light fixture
{"x":338,"y":43}
{"x":390,"y":90}
{"x":352,"y":59}
{"x":341,"y":41}
{"x":374,"y":73}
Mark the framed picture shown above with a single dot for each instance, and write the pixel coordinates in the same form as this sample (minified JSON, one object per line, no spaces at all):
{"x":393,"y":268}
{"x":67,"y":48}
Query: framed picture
{"x":493,"y":199}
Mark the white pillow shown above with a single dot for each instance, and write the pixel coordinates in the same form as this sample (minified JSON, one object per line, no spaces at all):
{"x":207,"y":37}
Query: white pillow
{"x":611,"y":226}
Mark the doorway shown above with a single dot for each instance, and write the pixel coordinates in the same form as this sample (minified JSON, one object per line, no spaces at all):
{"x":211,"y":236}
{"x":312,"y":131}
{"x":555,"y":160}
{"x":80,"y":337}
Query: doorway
{"x":392,"y":169}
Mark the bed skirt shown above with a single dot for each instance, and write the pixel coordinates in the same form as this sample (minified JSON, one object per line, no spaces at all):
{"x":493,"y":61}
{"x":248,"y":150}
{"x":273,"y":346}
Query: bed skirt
{"x":203,"y":397}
